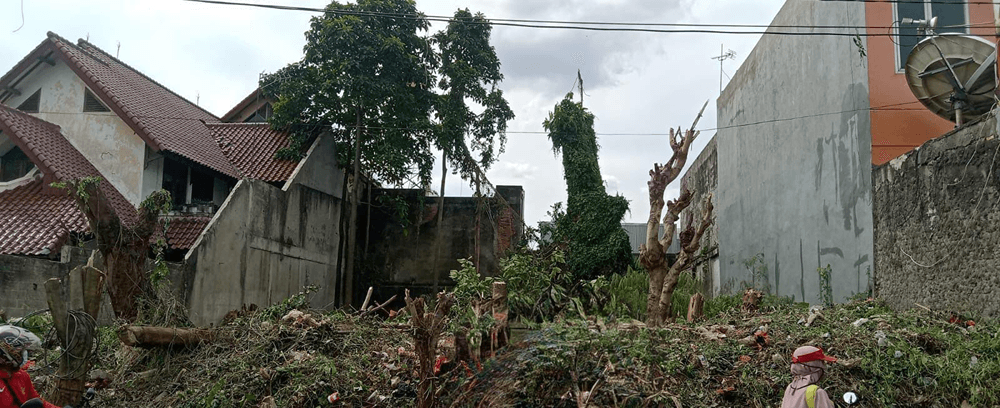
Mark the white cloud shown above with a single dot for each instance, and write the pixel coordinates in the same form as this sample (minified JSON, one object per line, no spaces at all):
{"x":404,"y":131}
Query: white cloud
{"x":635,"y":83}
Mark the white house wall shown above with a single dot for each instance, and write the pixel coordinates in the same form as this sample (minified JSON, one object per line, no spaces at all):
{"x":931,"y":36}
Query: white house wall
{"x":103,"y":138}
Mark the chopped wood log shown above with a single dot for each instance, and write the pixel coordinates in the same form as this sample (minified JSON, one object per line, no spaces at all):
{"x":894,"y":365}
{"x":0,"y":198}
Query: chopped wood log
{"x":149,"y":336}
{"x":368,"y":298}
{"x":696,"y":307}
{"x":379,"y":307}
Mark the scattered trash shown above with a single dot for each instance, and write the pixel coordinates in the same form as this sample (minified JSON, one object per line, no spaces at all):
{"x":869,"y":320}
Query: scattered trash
{"x":333,"y":398}
{"x":296,"y":318}
{"x":745,"y":358}
{"x":860,"y":322}
{"x":897,"y":354}
{"x":880,"y":339}
{"x":973,"y":362}
{"x":813,"y":316}
{"x":826,"y":335}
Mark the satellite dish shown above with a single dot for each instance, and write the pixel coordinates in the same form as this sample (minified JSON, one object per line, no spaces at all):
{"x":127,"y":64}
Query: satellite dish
{"x":953,"y":75}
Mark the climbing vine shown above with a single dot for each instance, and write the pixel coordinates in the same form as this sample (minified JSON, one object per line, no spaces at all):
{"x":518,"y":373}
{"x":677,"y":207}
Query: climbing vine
{"x":590,"y":228}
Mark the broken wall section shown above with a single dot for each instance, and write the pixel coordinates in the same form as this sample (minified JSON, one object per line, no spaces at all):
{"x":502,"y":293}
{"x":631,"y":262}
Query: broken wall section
{"x":937,"y":224}
{"x":266,"y":243}
{"x":403,"y":249}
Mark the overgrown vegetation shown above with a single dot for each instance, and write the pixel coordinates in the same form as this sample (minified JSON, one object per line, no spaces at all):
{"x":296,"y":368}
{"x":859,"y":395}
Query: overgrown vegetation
{"x":590,"y":228}
{"x":924,"y":360}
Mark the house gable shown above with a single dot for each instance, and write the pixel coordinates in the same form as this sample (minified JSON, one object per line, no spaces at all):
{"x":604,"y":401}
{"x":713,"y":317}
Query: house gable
{"x":102,"y":137}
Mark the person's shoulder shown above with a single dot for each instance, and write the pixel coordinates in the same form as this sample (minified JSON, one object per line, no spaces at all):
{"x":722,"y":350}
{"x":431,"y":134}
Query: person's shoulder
{"x":20,"y":375}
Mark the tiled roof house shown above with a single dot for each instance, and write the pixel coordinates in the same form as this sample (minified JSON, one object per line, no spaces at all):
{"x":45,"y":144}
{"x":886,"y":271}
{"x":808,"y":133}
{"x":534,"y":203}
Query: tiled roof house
{"x":69,"y":111}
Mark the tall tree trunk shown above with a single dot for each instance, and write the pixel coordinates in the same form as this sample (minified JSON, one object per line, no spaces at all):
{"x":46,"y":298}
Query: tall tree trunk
{"x":125,"y":249}
{"x":652,"y":254}
{"x":352,"y":230}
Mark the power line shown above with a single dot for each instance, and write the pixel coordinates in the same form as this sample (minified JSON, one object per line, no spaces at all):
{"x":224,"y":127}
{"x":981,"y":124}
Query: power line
{"x":598,"y":25}
{"x":890,"y":107}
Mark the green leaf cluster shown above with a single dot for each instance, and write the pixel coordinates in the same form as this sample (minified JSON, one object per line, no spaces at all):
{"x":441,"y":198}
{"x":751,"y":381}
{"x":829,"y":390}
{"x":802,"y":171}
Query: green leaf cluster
{"x":590,"y":228}
{"x":407,"y":91}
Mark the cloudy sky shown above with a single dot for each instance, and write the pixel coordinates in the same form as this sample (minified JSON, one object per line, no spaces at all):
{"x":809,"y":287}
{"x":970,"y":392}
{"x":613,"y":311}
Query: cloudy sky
{"x":634,"y":82}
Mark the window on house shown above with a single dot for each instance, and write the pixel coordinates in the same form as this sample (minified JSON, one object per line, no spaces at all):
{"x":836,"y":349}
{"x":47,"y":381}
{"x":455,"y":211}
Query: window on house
{"x":202,"y":187}
{"x":30,"y":105}
{"x":175,"y":175}
{"x":951,"y":16}
{"x":14,"y":164}
{"x":261,"y":115}
{"x":92,"y":104}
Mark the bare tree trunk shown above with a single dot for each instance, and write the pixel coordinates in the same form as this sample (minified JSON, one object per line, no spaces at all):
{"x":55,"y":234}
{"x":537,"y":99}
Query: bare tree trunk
{"x":74,"y":363}
{"x":652,"y":254}
{"x":427,"y":327}
{"x":125,"y":249}
{"x":352,"y":229}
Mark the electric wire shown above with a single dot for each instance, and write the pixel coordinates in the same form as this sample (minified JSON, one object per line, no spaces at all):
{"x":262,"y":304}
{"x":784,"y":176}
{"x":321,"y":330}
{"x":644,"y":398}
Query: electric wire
{"x":597,"y":25}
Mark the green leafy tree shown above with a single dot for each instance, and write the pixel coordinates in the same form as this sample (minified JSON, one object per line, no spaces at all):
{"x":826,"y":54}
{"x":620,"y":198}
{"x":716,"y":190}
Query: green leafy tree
{"x":591,"y":226}
{"x":363,"y":75}
{"x":470,"y":71}
{"x":370,"y":76}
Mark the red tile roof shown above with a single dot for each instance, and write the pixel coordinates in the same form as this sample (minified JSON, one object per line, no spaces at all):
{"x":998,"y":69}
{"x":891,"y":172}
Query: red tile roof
{"x":58,"y":160}
{"x":162,"y":118}
{"x":251,"y":148}
{"x":182,"y":232}
{"x":36,"y":222}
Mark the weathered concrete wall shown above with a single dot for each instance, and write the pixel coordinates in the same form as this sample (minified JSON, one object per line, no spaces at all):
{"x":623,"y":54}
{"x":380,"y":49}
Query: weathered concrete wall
{"x":937,"y":224}
{"x":263,"y":246}
{"x":319,"y":170}
{"x":103,"y":138}
{"x":793,"y":185}
{"x":702,"y":178}
{"x":407,"y":252}
{"x":22,"y":282}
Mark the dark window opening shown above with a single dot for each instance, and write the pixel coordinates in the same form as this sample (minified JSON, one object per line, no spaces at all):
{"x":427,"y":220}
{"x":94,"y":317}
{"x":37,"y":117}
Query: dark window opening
{"x":14,"y":165}
{"x":92,"y":104}
{"x":175,"y":181}
{"x":950,"y":15}
{"x":31,"y":104}
{"x":202,"y":187}
{"x":262,"y":114}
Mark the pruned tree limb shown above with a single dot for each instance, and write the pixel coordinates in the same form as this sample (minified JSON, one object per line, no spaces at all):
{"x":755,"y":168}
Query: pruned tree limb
{"x":652,"y":254}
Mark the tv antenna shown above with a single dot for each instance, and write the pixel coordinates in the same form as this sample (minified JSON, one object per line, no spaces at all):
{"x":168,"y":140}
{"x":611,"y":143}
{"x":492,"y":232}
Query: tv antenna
{"x":951,"y":74}
{"x":723,"y":55}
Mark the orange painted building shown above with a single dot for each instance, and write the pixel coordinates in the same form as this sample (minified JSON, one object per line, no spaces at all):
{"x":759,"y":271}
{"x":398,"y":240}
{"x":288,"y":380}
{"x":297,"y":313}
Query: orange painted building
{"x":899,"y":123}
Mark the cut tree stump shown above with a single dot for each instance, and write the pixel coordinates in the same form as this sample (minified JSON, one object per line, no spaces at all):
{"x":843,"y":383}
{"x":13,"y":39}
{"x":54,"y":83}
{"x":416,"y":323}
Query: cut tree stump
{"x":696,"y":307}
{"x":149,"y":337}
{"x":75,"y":330}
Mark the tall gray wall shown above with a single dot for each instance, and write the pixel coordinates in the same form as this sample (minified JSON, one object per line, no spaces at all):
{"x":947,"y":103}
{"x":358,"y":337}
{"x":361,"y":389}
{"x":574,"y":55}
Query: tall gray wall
{"x":702,"y":179}
{"x":264,"y":245}
{"x":937,"y":224}
{"x":798,"y":191}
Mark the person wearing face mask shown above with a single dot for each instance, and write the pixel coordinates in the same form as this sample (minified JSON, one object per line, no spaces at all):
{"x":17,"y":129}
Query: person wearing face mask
{"x":808,"y":367}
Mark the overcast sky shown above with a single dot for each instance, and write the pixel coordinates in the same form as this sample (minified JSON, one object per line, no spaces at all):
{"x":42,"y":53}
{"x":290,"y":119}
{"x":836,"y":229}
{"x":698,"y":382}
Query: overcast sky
{"x":634,"y":82}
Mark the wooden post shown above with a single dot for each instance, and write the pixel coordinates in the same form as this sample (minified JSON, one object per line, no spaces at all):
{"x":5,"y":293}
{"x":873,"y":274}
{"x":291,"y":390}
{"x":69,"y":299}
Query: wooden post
{"x":696,"y":307}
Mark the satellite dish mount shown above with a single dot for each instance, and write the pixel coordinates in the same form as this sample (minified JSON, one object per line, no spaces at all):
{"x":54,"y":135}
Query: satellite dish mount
{"x":953,"y":75}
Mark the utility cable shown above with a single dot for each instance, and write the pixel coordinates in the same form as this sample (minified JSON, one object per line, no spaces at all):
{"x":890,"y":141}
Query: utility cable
{"x":593,"y":25}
